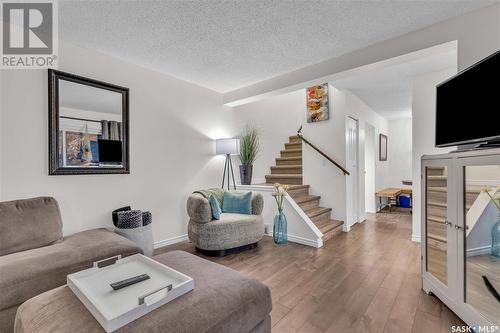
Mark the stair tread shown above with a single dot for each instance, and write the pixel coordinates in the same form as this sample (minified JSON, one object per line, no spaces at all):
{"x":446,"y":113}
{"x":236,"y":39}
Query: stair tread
{"x":438,"y":238}
{"x":437,"y":177}
{"x":313,"y":212}
{"x":437,"y":188}
{"x":330,"y":225}
{"x":436,"y":219}
{"x":289,"y":158}
{"x":297,"y":187}
{"x":286,"y":166}
{"x":285,"y":175}
{"x":293,"y":150}
{"x":438,"y":204}
{"x":306,"y":198}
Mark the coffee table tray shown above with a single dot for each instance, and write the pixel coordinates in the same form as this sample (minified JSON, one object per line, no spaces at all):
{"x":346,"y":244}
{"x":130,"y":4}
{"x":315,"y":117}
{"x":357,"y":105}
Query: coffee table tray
{"x":116,"y":308}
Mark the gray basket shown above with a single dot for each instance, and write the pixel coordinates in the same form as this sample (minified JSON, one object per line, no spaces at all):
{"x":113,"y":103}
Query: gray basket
{"x":142,"y":236}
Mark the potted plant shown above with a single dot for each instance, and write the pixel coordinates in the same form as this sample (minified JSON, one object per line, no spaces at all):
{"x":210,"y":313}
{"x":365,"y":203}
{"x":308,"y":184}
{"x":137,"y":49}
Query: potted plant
{"x":249,"y":149}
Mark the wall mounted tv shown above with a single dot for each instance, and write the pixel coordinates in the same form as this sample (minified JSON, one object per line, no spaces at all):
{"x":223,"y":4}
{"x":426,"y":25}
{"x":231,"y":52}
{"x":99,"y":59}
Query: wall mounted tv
{"x":468,"y":105}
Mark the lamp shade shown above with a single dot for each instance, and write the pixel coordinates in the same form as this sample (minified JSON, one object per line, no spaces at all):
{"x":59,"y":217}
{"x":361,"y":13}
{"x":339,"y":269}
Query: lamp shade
{"x":229,"y":146}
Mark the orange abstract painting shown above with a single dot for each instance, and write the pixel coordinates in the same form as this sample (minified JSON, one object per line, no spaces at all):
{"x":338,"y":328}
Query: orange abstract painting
{"x":317,"y":103}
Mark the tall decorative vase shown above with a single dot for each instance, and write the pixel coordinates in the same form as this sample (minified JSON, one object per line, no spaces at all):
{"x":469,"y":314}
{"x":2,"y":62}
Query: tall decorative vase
{"x":246,"y":174}
{"x":495,"y":240}
{"x":280,"y":228}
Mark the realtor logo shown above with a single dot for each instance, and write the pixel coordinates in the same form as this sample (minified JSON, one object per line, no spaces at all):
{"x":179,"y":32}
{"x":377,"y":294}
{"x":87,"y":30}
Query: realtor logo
{"x":29,"y":34}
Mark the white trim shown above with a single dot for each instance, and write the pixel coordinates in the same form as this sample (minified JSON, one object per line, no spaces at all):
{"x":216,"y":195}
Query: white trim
{"x":416,"y":238}
{"x":289,"y":199}
{"x":170,"y":241}
{"x":478,"y":251}
{"x":304,"y":241}
{"x":483,"y":183}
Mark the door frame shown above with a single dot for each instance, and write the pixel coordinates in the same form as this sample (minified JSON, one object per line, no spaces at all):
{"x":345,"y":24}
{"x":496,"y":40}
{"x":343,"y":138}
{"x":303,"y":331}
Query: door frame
{"x":352,"y":181}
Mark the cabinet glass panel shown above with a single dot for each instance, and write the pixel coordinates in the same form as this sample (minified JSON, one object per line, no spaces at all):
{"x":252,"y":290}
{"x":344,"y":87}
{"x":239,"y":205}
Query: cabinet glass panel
{"x":436,"y":228}
{"x":482,"y":240}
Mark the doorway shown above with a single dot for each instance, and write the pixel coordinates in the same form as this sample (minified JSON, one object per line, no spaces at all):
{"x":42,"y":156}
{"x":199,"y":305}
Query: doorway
{"x":352,"y":166}
{"x":370,"y":147}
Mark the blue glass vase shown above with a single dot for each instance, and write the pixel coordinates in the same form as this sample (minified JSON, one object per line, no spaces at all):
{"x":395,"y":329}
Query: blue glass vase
{"x":495,"y":239}
{"x":279,"y":228}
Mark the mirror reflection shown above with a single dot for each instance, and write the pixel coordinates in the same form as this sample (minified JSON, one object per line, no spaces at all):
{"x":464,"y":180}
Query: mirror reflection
{"x":482,"y":239}
{"x":90,"y":126}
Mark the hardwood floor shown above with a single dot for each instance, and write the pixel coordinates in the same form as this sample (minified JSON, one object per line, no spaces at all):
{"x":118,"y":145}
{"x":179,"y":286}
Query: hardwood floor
{"x":367,"y":280}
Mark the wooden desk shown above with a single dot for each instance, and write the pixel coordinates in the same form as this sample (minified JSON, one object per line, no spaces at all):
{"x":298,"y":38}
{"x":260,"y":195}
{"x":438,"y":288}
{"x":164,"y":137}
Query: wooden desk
{"x":392,"y":194}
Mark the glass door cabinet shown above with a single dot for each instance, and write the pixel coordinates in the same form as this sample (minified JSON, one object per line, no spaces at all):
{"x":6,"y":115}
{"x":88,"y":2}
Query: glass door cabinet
{"x":461,"y":234}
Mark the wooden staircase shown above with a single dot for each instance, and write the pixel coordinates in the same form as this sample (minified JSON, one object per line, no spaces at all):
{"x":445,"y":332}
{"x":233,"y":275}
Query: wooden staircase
{"x":288,"y":170}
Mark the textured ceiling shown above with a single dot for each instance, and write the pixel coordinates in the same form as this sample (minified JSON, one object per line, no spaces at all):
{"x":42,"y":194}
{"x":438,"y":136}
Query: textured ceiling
{"x":225,"y":45}
{"x":388,"y":90}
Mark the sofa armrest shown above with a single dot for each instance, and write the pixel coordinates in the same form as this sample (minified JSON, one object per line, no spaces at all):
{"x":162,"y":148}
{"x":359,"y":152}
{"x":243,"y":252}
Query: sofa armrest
{"x":257,"y":203}
{"x":198,"y":208}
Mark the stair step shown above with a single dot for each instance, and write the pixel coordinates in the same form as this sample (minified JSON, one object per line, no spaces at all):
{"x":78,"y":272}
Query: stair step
{"x":289,"y":146}
{"x":289,"y":179}
{"x":308,"y":202}
{"x":288,"y":169}
{"x":291,"y":153}
{"x":436,"y":219}
{"x":436,"y":181}
{"x":296,"y":191}
{"x":435,"y":170}
{"x":331,"y":229}
{"x":318,"y":214}
{"x":437,"y":204}
{"x":289,"y":161}
{"x":294,"y":139}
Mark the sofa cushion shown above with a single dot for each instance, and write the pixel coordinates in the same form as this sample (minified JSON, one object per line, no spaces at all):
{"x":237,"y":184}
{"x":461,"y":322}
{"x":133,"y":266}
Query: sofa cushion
{"x":29,"y":224}
{"x":29,"y":273}
{"x":237,"y":202}
{"x":223,"y":301}
{"x":214,"y":204}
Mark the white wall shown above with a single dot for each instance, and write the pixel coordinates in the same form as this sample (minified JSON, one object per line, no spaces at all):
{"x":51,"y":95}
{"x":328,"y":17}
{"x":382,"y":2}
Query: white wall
{"x":279,"y":117}
{"x":400,"y":148}
{"x":172,"y":127}
{"x":423,"y":142}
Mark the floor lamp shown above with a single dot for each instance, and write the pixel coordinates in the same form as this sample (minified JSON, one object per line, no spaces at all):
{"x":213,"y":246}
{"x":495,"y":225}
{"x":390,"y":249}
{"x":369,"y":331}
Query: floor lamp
{"x":228,"y":147}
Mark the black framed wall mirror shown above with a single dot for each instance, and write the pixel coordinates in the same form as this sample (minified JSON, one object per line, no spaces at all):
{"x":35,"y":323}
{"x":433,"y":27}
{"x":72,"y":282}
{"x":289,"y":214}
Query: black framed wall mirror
{"x":88,"y":126}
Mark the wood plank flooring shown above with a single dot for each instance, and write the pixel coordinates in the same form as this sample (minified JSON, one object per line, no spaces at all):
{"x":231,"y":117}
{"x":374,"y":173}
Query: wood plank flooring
{"x":367,"y":280}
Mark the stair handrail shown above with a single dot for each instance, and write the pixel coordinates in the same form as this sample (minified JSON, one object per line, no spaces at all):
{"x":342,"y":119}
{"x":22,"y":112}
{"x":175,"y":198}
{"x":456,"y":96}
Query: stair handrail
{"x":299,"y":134}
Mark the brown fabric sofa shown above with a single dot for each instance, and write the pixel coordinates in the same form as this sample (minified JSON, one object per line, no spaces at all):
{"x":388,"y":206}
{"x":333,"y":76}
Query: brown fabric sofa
{"x":34,"y":257}
{"x":223,"y":301}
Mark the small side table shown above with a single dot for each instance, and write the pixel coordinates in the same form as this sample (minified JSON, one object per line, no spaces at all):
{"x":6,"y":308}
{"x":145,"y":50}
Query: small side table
{"x":391,"y":194}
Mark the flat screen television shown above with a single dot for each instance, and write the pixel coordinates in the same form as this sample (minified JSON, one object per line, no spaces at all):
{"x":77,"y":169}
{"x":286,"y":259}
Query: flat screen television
{"x":468,"y":105}
{"x":110,"y":151}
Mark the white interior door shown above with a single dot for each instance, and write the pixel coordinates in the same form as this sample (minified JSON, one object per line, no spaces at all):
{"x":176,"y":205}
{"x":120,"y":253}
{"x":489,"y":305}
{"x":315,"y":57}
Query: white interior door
{"x":352,"y":167}
{"x":370,"y":206}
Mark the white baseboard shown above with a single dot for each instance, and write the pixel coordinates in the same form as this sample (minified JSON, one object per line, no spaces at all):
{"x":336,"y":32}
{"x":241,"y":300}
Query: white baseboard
{"x":416,"y":238}
{"x":170,"y":241}
{"x":479,"y":251}
{"x":304,"y":241}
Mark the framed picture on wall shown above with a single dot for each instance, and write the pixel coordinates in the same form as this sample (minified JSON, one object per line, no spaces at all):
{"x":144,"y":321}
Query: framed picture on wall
{"x":317,"y":103}
{"x":382,"y":147}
